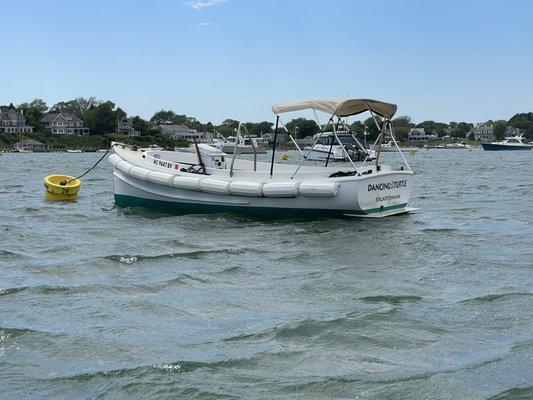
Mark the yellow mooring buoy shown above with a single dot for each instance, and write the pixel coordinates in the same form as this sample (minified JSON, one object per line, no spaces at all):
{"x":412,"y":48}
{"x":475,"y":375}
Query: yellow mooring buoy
{"x":61,"y":187}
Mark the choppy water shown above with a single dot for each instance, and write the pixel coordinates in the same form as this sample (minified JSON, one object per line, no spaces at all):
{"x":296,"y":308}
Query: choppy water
{"x":98,"y":302}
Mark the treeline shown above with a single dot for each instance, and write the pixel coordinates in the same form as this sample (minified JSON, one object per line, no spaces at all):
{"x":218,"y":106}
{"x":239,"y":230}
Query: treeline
{"x":101,"y":116}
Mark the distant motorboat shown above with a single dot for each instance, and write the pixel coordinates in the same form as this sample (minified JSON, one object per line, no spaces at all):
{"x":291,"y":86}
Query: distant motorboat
{"x":73,"y":151}
{"x":510,"y":143}
{"x":245,"y":145}
{"x":389,"y":147}
{"x":327,"y":147}
{"x":454,"y":146}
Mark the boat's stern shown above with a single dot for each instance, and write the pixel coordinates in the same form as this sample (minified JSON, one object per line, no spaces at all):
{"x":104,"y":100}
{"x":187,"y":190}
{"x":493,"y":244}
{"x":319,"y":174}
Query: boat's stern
{"x":384,"y":194}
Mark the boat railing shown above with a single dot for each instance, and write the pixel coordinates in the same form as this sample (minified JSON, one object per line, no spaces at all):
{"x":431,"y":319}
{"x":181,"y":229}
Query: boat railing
{"x":237,"y":141}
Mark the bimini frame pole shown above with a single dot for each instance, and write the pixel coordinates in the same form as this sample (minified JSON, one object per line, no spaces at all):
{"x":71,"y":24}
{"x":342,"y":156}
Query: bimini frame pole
{"x":343,"y":148}
{"x":353,"y":136}
{"x":274,"y":148}
{"x":290,"y":136}
{"x":331,"y":144}
{"x":391,"y":131}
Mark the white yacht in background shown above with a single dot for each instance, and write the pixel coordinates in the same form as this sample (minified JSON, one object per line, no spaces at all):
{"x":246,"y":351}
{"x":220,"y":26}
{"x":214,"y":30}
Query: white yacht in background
{"x":327,"y":148}
{"x":208,"y":180}
{"x":510,"y":143}
{"x":245,"y":145}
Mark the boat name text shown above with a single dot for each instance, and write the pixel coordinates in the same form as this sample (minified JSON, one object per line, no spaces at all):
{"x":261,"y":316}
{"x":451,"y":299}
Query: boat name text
{"x":387,"y":185}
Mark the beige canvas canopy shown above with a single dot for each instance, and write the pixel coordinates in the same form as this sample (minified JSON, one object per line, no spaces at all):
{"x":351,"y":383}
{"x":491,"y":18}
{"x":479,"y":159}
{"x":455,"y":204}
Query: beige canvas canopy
{"x":340,"y":107}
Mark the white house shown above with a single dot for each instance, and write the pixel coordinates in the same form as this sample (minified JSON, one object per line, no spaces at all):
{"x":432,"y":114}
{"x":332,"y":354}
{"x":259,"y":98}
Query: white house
{"x":482,"y":132}
{"x":125,"y":127}
{"x":13,"y":121}
{"x":179,"y":132}
{"x":63,"y":123}
{"x":420,"y":135}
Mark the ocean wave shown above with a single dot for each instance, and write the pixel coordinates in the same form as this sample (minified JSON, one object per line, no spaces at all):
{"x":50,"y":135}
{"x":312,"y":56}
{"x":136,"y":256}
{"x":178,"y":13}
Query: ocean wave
{"x":9,"y":255}
{"x":196,"y":254}
{"x":440,"y":230}
{"x":489,"y":298}
{"x":391,"y":299}
{"x":152,"y":287}
{"x":518,"y":393}
{"x":10,"y":333}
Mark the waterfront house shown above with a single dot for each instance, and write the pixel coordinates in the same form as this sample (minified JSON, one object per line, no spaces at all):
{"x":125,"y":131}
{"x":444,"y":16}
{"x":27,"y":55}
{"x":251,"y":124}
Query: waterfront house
{"x":125,"y":127}
{"x":419,"y":134}
{"x":482,"y":132}
{"x":30,"y":145}
{"x":63,"y":123}
{"x":13,"y":121}
{"x":179,"y":132}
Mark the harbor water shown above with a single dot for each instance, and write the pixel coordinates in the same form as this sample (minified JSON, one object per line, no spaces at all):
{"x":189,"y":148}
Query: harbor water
{"x":99,"y":302}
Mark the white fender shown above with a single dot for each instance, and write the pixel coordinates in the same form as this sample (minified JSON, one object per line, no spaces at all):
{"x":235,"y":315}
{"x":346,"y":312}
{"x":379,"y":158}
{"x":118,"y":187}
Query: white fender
{"x":280,"y":189}
{"x":242,"y":188}
{"x":160,"y":177}
{"x":186,"y":182}
{"x":320,"y":189}
{"x":214,"y":186}
{"x":124,"y":166}
{"x":114,"y":159}
{"x":139,"y":173}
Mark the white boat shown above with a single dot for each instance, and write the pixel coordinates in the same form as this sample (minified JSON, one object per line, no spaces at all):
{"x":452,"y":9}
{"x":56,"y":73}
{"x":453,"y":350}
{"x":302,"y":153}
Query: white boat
{"x":327,"y":148}
{"x":510,"y":143}
{"x":73,"y":151}
{"x":245,"y":145}
{"x":389,"y":147}
{"x":453,"y":146}
{"x":207,"y":180}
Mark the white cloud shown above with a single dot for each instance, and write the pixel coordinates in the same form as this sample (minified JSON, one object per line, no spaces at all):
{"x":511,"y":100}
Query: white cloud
{"x":199,"y":5}
{"x":204,"y":24}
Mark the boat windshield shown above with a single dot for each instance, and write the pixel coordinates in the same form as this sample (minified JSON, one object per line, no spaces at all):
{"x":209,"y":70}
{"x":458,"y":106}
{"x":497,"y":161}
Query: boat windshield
{"x":512,"y":141}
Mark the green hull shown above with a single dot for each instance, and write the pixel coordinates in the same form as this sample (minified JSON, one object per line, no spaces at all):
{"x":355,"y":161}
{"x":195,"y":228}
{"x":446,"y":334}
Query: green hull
{"x":271,"y":212}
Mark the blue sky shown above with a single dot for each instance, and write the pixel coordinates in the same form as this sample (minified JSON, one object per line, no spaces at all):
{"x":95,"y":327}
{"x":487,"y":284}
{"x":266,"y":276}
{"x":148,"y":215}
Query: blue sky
{"x":212,"y":59}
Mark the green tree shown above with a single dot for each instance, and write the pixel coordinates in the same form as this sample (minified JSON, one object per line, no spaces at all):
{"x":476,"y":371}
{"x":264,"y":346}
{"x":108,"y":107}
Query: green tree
{"x":259,"y":128}
{"x":498,"y":129}
{"x":102,"y":118}
{"x":403,"y":121}
{"x":432,"y":127}
{"x":371,"y":129}
{"x":305,"y":127}
{"x":163,"y":117}
{"x":358,"y":127}
{"x":120,"y":113}
{"x":79,"y":106}
{"x":33,"y":112}
{"x":524,"y":122}
{"x":140,"y":125}
{"x":227,"y":127}
{"x":460,"y":129}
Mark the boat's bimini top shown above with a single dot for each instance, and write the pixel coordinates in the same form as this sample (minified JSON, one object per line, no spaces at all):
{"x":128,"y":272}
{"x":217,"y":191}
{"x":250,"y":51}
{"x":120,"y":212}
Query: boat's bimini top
{"x":340,"y":107}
